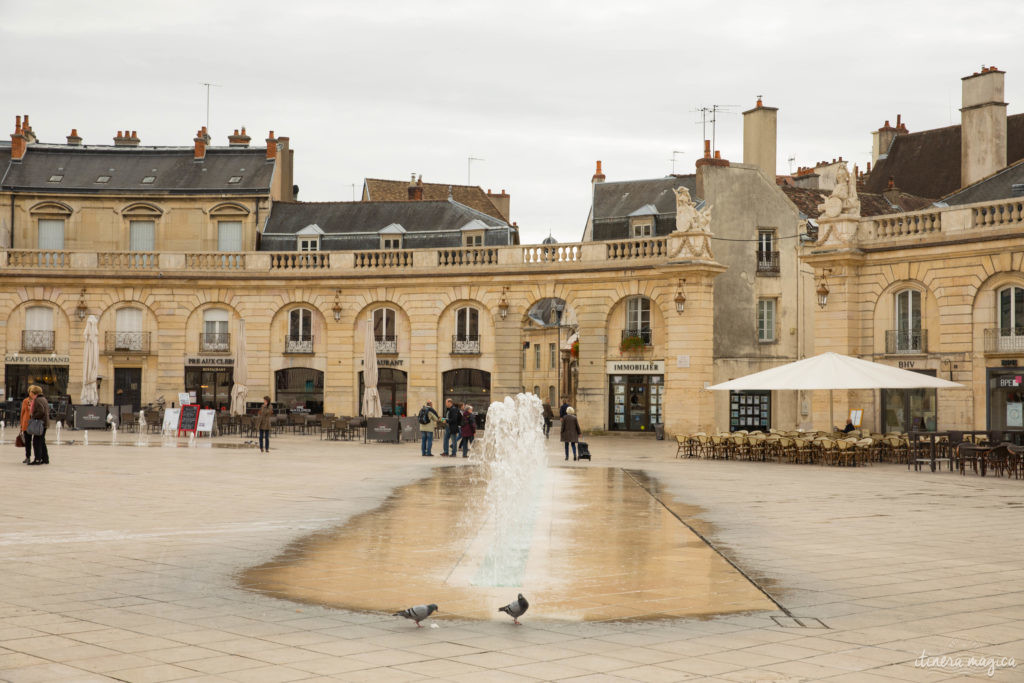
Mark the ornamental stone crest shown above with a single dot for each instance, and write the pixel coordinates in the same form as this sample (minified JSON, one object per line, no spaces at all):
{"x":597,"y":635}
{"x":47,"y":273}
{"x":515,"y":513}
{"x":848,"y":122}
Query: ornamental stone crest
{"x":693,"y":228}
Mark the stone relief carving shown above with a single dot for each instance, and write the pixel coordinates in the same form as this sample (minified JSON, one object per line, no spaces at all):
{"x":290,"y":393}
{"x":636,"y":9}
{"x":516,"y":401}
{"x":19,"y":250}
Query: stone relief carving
{"x":693,"y":226}
{"x":843,"y":201}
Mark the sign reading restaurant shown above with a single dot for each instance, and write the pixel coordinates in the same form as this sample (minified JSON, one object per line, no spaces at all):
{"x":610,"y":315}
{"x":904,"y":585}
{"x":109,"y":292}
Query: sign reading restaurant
{"x":632,"y":367}
{"x":37,"y":359}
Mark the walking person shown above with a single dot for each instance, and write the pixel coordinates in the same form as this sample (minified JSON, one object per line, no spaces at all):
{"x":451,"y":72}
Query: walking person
{"x":428,"y":419}
{"x":452,"y":422}
{"x":563,"y":408}
{"x":570,"y":431}
{"x":467,"y":430}
{"x":263,"y":419}
{"x":549,"y":417}
{"x":40,"y":411}
{"x":26,"y":415}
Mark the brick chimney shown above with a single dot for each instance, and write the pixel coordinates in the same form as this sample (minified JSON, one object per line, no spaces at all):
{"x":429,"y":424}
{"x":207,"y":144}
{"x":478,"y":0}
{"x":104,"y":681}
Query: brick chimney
{"x":502,"y":202}
{"x":237,"y":139}
{"x":982,"y":125}
{"x":760,"y":130}
{"x":201,"y":140}
{"x":27,"y":131}
{"x":271,"y":146}
{"x":598,"y":176}
{"x":75,"y":140}
{"x":128,"y":139}
{"x":415,"y":189}
{"x":19,"y":143}
{"x":882,"y":138}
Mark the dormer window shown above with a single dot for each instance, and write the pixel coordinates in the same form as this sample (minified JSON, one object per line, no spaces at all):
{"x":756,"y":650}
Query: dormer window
{"x":393,"y":242}
{"x":392,"y":237}
{"x":642,"y":229}
{"x":472,"y":239}
{"x":309,"y":238}
{"x":641,"y":221}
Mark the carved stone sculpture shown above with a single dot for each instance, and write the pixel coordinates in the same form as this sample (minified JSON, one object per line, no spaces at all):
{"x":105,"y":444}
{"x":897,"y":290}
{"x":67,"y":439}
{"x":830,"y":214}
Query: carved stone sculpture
{"x":843,"y":201}
{"x":692,"y":236}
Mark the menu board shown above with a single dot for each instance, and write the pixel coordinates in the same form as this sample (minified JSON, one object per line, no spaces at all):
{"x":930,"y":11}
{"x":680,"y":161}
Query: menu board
{"x":170,"y":419}
{"x":749,"y":410}
{"x":189,"y":418}
{"x":206,"y":421}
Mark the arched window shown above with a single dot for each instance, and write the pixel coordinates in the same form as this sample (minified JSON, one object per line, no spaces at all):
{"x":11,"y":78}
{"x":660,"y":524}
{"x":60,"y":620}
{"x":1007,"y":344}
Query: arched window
{"x":385,"y":331}
{"x":128,"y":336}
{"x":467,"y":324}
{"x":300,"y":331}
{"x":908,"y":337}
{"x":551,"y":395}
{"x":536,"y":391}
{"x":215,"y":335}
{"x":38,"y":333}
{"x":638,"y":318}
{"x":1011,"y":311}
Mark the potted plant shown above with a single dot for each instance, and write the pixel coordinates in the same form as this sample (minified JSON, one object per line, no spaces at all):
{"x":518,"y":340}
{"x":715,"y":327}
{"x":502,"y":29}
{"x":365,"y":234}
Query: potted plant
{"x":631,"y":343}
{"x":574,"y":351}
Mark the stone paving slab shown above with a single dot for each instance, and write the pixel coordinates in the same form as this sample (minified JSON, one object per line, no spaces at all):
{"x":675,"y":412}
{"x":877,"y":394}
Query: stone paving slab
{"x":122,"y":563}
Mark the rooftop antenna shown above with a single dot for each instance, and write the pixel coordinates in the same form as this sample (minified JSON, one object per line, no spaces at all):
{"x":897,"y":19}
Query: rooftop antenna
{"x":208,"y":86}
{"x":710,"y":115}
{"x":353,"y":186}
{"x":791,"y":159}
{"x":469,"y":168}
{"x":674,"y":153}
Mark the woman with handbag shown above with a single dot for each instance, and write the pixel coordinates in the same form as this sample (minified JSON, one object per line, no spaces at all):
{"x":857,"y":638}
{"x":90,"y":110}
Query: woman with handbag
{"x":263,"y":419}
{"x":24,"y":437}
{"x":39,"y":420}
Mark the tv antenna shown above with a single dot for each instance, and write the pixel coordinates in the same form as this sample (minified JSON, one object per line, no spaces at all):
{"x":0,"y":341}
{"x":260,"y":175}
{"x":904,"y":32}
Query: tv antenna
{"x":791,"y":159}
{"x":208,"y":86}
{"x":674,"y":153}
{"x":469,"y":168}
{"x":709,"y":115}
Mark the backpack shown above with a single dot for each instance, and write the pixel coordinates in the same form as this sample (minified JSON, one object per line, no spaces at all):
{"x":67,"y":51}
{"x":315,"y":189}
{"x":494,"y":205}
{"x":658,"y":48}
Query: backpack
{"x":424,"y":417}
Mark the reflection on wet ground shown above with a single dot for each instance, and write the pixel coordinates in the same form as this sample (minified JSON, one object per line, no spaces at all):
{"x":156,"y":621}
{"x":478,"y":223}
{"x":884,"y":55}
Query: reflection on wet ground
{"x":603,"y":548}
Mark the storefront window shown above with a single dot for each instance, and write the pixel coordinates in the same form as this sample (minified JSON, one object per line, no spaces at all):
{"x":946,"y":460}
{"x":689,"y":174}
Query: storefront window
{"x":391,"y":386}
{"x":212,"y":386}
{"x":905,"y":410}
{"x":635,"y":402}
{"x":1005,"y":398}
{"x":52,"y":379}
{"x":300,"y":388}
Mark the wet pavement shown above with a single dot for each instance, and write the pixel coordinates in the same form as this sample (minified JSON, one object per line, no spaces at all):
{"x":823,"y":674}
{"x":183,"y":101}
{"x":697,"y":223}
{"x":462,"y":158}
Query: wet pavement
{"x":138,"y":564}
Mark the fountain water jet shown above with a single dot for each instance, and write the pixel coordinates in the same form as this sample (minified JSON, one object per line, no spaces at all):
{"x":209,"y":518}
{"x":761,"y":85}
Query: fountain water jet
{"x":143,"y":436}
{"x":60,"y":425}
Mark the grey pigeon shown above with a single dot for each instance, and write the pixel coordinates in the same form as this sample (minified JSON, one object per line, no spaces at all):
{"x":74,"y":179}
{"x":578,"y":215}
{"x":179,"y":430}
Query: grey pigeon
{"x":516,"y":608}
{"x":417,"y":613}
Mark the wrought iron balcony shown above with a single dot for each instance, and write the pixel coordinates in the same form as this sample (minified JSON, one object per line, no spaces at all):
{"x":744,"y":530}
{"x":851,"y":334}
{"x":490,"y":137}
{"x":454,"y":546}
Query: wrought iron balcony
{"x":292,"y":345}
{"x":644,"y":334}
{"x":387,"y":344}
{"x":465,"y":345}
{"x":34,"y":341}
{"x":1004,"y":340}
{"x":126,"y":342}
{"x":767,"y":263}
{"x":906,"y":341}
{"x":215,"y":342}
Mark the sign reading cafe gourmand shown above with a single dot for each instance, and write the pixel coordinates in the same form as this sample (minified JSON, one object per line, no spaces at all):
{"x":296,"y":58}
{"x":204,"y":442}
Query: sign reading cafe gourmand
{"x":36,"y":359}
{"x":634,"y":367}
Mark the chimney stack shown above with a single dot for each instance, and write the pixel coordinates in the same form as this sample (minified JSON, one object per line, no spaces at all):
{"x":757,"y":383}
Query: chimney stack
{"x":598,"y":176}
{"x":760,"y":130}
{"x":74,"y":140}
{"x":271,"y":146}
{"x":129,"y":139}
{"x":982,"y":126}
{"x":27,"y":131}
{"x":502,"y":202}
{"x":19,"y":142}
{"x":200,"y":140}
{"x":882,"y":138}
{"x":237,"y":139}
{"x":416,"y":188}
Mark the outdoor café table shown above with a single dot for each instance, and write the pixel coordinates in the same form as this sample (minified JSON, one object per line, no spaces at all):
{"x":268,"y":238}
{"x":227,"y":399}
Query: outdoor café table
{"x":917,"y":445}
{"x":975,"y":455}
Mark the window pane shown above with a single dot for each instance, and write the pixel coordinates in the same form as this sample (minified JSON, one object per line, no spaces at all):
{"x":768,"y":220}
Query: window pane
{"x":1005,"y":319}
{"x":51,"y":233}
{"x":1018,"y":307}
{"x":536,"y":357}
{"x":141,"y":236}
{"x":39,"y":318}
{"x":553,"y":353}
{"x":294,"y":324}
{"x":474,"y":323}
{"x":229,"y":236}
{"x":129,"y":320}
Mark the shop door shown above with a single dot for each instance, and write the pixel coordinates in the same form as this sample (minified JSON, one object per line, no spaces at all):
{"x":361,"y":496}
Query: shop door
{"x":128,"y":387}
{"x":391,"y":387}
{"x":211,"y":385}
{"x":637,"y":402}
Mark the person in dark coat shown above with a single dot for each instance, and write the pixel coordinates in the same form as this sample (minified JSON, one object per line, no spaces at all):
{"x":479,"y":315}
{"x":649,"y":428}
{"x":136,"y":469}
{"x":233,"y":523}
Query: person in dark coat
{"x":263,"y":424}
{"x":452,"y":423}
{"x":26,"y":415}
{"x":467,"y":430}
{"x":549,"y":417}
{"x":40,"y":411}
{"x":563,"y":408}
{"x":570,"y":431}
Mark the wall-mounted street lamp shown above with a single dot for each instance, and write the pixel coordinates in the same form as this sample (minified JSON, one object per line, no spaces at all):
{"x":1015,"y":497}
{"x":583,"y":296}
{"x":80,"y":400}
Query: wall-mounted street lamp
{"x":823,"y":288}
{"x":680,"y":297}
{"x":81,"y":310}
{"x":336,"y":308}
{"x":503,"y":303}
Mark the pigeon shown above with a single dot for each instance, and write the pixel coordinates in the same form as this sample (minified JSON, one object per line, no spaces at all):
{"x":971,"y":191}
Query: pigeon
{"x":417,"y":613}
{"x":516,"y":608}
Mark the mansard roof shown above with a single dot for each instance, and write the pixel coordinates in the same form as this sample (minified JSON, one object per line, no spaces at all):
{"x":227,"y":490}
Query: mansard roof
{"x":623,"y":198}
{"x":378,"y":190}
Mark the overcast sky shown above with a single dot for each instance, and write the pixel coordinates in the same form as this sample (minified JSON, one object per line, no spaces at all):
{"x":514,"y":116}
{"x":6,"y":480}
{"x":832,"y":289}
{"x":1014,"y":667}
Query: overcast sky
{"x":538,"y":90}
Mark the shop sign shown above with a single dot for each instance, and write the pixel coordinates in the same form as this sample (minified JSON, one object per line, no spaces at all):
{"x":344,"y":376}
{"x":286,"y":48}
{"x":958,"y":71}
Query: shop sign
{"x":387,"y":362}
{"x":627,"y":367}
{"x":215,"y":360}
{"x":1010,"y":381}
{"x":36,"y":359}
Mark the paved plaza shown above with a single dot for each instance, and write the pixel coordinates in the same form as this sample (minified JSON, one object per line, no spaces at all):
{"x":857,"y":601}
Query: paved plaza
{"x":126,"y":563}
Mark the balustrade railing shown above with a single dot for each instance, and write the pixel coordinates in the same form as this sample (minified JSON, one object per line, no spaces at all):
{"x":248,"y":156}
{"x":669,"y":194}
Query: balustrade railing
{"x":906,"y":341}
{"x":552,"y":253}
{"x":387,"y":344}
{"x":36,"y":341}
{"x":465,"y":344}
{"x":214,"y":342}
{"x":218,"y":260}
{"x":298,"y":345}
{"x":128,"y":260}
{"x":38,"y":258}
{"x":651,"y":247}
{"x":126,"y":342}
{"x":911,"y":224}
{"x":999,"y":213}
{"x":397,"y":258}
{"x":468,"y":256}
{"x":300,"y":260}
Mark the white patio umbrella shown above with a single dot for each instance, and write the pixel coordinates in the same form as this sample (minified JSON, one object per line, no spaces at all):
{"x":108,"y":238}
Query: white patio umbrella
{"x":91,"y":362}
{"x":834,"y":371}
{"x":371,"y":399}
{"x":239,"y":390}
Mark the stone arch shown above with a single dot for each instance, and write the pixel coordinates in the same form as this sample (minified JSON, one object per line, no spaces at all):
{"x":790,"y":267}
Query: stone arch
{"x":15,"y":327}
{"x":50,"y":207}
{"x":194,"y":326}
{"x":884,"y":319}
{"x":142,"y":210}
{"x":280,"y":333}
{"x":228,"y":209}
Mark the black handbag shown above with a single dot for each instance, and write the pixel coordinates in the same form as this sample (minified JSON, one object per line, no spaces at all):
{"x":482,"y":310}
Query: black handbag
{"x":35,"y":427}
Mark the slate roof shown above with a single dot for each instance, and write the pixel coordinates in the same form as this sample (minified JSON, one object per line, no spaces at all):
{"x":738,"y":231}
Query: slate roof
{"x":356,"y":225}
{"x":173,"y":169}
{"x":927,"y":163}
{"x":999,"y":185}
{"x":398,"y":190}
{"x":871,"y":204}
{"x":621,"y":199}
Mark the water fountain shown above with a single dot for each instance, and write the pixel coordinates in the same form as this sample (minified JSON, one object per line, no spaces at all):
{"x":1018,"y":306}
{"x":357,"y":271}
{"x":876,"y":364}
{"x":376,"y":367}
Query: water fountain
{"x":113,"y":433}
{"x":3,"y":428}
{"x":143,"y":439}
{"x":191,"y":439}
{"x":60,"y":425}
{"x":85,"y":437}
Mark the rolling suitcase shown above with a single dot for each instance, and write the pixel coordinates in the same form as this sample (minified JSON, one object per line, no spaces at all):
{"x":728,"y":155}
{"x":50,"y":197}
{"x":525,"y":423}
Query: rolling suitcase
{"x":583,"y":450}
